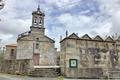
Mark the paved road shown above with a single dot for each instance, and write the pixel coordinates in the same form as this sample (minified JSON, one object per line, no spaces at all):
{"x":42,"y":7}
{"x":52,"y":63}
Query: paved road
{"x":2,"y":78}
{"x":14,"y":77}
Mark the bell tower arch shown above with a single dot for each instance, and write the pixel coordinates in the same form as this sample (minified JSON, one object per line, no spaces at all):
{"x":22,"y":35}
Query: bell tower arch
{"x":38,"y":18}
{"x":38,"y":22}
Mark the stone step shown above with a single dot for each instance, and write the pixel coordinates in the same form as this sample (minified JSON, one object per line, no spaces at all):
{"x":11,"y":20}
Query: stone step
{"x":44,"y":73}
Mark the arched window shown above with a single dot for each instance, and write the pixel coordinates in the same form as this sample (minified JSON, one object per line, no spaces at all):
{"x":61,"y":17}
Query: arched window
{"x":34,"y":20}
{"x":40,"y":21}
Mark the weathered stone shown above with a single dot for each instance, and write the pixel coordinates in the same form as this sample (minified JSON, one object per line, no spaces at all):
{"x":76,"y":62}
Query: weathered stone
{"x":94,"y":56}
{"x":33,"y":48}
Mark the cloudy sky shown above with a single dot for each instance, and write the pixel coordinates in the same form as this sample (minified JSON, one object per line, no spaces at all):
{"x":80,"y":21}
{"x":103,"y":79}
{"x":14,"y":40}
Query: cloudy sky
{"x":93,"y":17}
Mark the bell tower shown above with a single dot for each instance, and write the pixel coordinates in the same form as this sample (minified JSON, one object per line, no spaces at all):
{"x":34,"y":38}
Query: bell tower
{"x":38,"y":18}
{"x":38,"y":22}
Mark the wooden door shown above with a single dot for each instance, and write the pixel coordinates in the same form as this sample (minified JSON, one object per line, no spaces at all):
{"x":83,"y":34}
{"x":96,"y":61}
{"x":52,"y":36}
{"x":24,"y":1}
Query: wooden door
{"x":36,"y":58}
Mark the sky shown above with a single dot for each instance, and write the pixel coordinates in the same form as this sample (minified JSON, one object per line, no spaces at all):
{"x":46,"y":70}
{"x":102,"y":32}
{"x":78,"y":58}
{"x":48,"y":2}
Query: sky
{"x":92,"y":17}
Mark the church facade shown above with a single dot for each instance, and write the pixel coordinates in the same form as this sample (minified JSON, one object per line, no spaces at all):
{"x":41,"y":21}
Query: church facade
{"x":34,"y":50}
{"x":35,"y":45}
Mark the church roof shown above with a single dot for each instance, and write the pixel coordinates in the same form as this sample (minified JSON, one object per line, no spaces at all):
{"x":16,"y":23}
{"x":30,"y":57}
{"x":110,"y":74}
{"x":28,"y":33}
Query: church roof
{"x":73,"y":35}
{"x":86,"y":36}
{"x":23,"y":35}
{"x":49,"y":39}
{"x":109,"y":39}
{"x":98,"y":38}
{"x":118,"y":39}
{"x":11,"y":45}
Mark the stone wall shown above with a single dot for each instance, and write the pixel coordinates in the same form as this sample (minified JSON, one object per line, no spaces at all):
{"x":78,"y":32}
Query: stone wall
{"x":15,"y":66}
{"x":91,"y":56}
{"x":84,"y":73}
{"x":24,"y":49}
{"x":9,"y":54}
{"x":27,"y":47}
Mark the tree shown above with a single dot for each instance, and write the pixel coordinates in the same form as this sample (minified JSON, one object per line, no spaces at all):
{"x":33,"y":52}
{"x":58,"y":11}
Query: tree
{"x":1,"y":57}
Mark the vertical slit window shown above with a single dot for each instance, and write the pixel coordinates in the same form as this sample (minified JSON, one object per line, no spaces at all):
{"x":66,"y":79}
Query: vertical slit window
{"x":37,"y":46}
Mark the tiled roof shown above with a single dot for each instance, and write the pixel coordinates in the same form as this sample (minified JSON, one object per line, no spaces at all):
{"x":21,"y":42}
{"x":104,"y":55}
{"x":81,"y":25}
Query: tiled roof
{"x":11,"y":45}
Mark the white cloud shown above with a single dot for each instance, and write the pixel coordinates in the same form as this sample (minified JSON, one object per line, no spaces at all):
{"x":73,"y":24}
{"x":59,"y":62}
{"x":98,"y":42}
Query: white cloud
{"x":13,"y":26}
{"x":112,"y":8}
{"x":109,"y":6}
{"x":10,"y":25}
{"x":58,"y":3}
{"x":10,"y":29}
{"x":6,"y":39}
{"x":104,"y":29}
{"x":116,"y":23}
{"x":84,"y":24}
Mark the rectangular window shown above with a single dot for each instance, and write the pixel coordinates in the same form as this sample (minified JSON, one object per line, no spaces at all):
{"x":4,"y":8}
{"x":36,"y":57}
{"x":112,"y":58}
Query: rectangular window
{"x":12,"y":52}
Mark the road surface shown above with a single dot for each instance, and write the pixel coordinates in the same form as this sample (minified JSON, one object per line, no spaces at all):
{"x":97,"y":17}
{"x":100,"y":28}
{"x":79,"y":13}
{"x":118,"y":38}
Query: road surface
{"x":15,"y":77}
{"x":2,"y":78}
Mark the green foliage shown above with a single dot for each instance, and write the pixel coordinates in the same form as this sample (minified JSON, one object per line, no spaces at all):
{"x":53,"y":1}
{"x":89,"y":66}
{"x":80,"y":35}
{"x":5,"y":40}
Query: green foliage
{"x":60,"y":78}
{"x":1,"y":57}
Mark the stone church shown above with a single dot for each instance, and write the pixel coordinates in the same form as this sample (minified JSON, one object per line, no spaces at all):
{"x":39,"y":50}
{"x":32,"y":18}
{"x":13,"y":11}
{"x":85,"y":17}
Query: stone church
{"x":33,"y":49}
{"x":35,"y":45}
{"x":79,"y":57}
